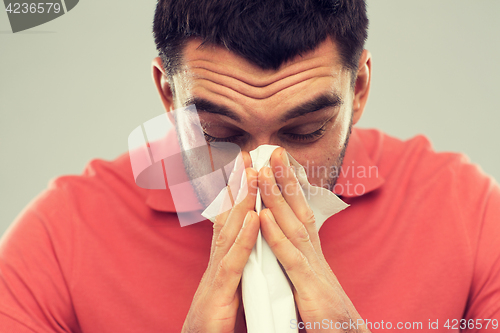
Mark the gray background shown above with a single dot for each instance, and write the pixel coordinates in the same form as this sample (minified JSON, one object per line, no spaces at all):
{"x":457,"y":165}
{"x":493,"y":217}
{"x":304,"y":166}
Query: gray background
{"x":74,"y":88}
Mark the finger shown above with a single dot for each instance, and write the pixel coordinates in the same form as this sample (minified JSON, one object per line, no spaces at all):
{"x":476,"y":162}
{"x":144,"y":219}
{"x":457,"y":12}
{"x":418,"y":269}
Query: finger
{"x":230,"y":267}
{"x":290,"y":186}
{"x":292,"y":228}
{"x":233,"y":187}
{"x":293,"y":194}
{"x":235,"y":183}
{"x":228,"y":231}
{"x":294,"y":261}
{"x":247,"y":159}
{"x":237,"y":179}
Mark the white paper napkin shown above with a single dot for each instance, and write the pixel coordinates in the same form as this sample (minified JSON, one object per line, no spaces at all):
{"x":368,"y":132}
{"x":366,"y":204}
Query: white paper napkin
{"x":267,"y":294}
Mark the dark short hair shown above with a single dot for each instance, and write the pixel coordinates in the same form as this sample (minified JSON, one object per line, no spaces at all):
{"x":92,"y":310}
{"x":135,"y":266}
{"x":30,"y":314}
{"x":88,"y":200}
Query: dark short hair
{"x":265,"y":32}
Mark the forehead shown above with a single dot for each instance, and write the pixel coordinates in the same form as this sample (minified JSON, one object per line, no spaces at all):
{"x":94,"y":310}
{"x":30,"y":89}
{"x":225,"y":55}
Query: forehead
{"x":214,"y":73}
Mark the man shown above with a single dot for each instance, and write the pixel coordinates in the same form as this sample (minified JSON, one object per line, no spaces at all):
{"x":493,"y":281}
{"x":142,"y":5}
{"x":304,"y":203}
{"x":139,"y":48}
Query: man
{"x":416,"y":250}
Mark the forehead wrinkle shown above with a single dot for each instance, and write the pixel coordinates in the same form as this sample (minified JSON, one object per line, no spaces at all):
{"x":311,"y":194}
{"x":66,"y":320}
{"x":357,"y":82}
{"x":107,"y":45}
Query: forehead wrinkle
{"x":204,"y":73}
{"x":255,"y":76}
{"x":256,"y":93}
{"x":259,"y":93}
{"x":221,"y":99}
{"x":240,"y":104}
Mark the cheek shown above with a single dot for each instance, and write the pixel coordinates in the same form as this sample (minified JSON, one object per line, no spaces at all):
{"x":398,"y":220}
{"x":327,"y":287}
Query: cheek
{"x":339,"y":133}
{"x":320,"y":161}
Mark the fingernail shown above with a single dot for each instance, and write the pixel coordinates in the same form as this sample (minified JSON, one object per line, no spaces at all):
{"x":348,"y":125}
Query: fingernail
{"x":243,"y":179}
{"x":243,"y":190}
{"x":270,"y":215}
{"x":284,"y":157}
{"x":238,"y":162}
{"x":269,"y":172}
{"x":247,"y":218}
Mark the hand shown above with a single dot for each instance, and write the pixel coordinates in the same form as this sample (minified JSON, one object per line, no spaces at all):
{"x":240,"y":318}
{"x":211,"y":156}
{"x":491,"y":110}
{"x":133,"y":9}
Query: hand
{"x":288,"y":225}
{"x":218,"y":297}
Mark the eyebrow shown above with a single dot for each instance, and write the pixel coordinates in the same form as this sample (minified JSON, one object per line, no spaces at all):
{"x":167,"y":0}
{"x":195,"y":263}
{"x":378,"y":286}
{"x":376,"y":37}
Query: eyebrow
{"x":314,"y":105}
{"x":202,"y":105}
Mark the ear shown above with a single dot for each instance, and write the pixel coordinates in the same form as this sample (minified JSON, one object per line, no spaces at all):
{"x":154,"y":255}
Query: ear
{"x":162,"y":85}
{"x":362,"y":87}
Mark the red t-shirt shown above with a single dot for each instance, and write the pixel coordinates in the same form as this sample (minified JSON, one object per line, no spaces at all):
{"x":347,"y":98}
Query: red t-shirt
{"x":419,"y":244}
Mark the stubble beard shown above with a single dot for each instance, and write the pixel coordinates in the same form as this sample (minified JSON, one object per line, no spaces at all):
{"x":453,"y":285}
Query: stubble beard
{"x":337,"y":166}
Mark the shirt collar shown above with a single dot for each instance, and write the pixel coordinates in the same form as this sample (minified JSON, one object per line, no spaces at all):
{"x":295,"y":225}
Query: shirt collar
{"x":358,"y":176}
{"x":161,"y":199}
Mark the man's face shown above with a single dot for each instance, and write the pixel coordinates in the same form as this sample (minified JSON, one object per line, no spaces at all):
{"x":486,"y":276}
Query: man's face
{"x":305,"y":106}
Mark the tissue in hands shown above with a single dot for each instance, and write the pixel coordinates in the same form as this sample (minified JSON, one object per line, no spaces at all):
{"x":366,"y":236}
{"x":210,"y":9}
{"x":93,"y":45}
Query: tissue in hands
{"x":267,"y":295}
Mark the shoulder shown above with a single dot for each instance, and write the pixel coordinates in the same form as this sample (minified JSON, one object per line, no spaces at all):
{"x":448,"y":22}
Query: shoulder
{"x":445,"y":201}
{"x":41,"y":252}
{"x":104,"y":191}
{"x":101,"y":183}
{"x":75,"y":207}
{"x":99,"y":177}
{"x":417,"y":162}
{"x":446,"y":184}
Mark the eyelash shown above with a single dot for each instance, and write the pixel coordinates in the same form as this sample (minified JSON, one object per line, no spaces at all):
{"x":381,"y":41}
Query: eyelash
{"x":210,"y":138}
{"x":306,"y":137}
{"x":294,"y":137}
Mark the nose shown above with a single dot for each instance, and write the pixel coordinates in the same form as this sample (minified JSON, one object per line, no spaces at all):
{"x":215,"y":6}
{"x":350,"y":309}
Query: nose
{"x":259,"y":141}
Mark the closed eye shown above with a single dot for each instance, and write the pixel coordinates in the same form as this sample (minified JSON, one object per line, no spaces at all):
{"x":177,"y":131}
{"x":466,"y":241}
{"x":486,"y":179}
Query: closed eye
{"x":233,"y":138}
{"x":307,"y":137}
{"x":290,"y":136}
